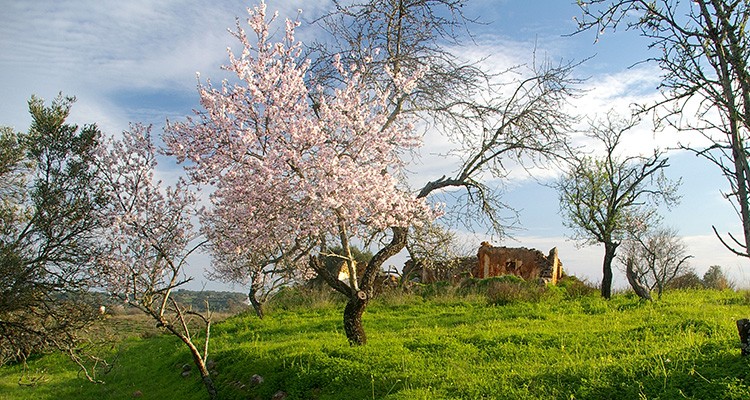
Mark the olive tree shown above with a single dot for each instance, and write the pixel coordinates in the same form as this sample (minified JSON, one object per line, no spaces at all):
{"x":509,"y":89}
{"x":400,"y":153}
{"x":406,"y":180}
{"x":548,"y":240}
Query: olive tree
{"x":49,"y":199}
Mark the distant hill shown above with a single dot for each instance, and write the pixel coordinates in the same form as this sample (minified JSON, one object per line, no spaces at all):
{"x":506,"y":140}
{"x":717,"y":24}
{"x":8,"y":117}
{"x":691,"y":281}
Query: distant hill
{"x":219,"y":301}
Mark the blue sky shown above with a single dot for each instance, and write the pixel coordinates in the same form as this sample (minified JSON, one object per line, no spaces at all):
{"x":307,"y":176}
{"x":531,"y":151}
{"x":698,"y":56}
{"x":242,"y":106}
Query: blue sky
{"x":136,"y":61}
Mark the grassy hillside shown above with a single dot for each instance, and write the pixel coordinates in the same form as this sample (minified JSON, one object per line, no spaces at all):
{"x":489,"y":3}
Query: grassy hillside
{"x":550,"y":346}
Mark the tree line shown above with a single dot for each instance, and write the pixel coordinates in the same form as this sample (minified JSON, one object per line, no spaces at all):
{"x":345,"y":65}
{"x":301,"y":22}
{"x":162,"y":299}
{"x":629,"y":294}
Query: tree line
{"x":307,"y":150}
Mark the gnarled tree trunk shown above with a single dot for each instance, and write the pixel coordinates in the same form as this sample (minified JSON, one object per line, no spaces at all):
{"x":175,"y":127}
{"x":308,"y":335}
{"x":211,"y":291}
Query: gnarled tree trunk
{"x":257,"y":304}
{"x":609,"y":255}
{"x":353,"y":312}
{"x":638,"y":287}
{"x":358,"y":300}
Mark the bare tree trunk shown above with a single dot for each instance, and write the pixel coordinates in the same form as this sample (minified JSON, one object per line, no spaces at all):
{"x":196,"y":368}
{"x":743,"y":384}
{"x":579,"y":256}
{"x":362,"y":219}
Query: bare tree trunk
{"x":740,"y":167}
{"x":201,"y":364}
{"x":731,"y":67}
{"x":358,"y":300}
{"x":638,"y":287}
{"x":609,"y":255}
{"x":198,"y":360}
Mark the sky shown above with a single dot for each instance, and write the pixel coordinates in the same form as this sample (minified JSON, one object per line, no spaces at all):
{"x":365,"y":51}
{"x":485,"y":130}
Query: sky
{"x":136,"y":61}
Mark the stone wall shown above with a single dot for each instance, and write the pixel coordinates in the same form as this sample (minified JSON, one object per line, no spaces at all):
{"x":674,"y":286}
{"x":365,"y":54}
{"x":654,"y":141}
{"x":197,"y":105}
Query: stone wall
{"x":529,"y":264}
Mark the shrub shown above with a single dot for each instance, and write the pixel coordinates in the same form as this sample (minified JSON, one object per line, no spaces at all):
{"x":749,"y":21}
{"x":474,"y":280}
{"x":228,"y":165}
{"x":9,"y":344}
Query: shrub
{"x":574,"y":288}
{"x":507,"y":289}
{"x":715,"y":278}
{"x":688,"y":280}
{"x":292,"y":298}
{"x":436,"y":289}
{"x":501,"y":293}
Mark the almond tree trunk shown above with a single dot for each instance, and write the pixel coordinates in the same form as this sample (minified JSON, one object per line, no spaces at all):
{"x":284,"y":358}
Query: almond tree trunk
{"x":353,"y":311}
{"x":257,"y":304}
{"x":198,"y":358}
{"x":205,"y":374}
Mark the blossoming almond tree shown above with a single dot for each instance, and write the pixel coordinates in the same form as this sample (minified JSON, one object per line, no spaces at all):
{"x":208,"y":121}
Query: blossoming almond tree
{"x":149,"y":237}
{"x":300,"y":168}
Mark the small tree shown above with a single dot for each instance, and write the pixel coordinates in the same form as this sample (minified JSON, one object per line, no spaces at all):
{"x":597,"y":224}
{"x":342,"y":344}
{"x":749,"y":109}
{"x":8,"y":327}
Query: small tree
{"x":657,"y":256}
{"x":715,"y":278}
{"x":432,"y":248}
{"x":686,"y":280}
{"x":263,"y":271}
{"x":302,"y":169}
{"x":264,"y":276}
{"x":605,"y":198}
{"x":149,"y":238}
{"x":49,"y":198}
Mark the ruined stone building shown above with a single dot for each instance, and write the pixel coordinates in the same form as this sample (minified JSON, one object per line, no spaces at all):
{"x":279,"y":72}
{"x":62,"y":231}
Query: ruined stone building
{"x":529,"y":264}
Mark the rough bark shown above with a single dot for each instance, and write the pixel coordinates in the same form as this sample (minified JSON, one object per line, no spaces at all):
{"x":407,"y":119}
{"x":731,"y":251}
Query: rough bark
{"x":353,"y":312}
{"x":257,"y":305}
{"x":609,"y":255}
{"x":358,"y":300}
{"x":638,"y":287}
{"x":743,"y":328}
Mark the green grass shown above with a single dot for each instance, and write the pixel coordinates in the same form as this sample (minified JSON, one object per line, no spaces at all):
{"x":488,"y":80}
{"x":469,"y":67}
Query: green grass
{"x":442,"y":346}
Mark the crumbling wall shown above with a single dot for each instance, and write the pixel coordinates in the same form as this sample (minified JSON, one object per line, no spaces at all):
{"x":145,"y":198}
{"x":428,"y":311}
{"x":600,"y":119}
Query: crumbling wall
{"x":453,"y":270}
{"x":529,"y":264}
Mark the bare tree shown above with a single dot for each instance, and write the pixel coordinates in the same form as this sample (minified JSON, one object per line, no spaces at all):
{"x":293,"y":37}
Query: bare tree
{"x":656,"y":256}
{"x":492,"y":122}
{"x":492,"y":118}
{"x":605,"y":198}
{"x":702,"y":48}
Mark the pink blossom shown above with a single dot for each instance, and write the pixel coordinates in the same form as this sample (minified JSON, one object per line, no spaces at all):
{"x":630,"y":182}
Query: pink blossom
{"x":289,"y":169}
{"x":148,"y":226}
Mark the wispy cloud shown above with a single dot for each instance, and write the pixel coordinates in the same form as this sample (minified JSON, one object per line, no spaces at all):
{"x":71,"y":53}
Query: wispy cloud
{"x":95,"y":50}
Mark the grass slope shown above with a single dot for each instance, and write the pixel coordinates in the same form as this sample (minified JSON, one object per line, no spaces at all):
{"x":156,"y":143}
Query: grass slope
{"x":442,"y":347}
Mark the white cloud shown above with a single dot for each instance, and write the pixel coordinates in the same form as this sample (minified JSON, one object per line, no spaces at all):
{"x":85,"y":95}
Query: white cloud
{"x":94,"y":49}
